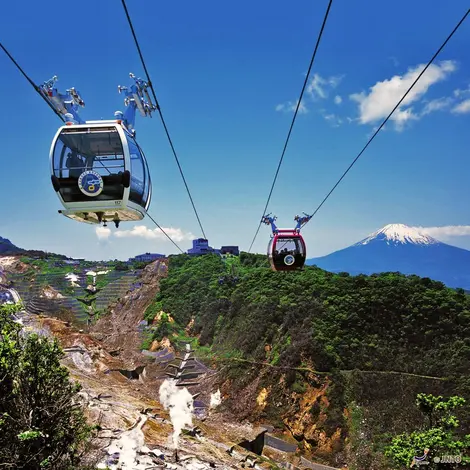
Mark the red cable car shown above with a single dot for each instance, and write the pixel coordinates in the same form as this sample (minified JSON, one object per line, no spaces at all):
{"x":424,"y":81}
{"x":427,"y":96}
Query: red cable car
{"x":286,"y":250}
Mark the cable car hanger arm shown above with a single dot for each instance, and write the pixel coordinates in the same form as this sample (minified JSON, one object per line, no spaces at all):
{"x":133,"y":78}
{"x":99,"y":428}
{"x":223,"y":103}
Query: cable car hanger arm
{"x":301,"y":221}
{"x":67,"y":104}
{"x":267,"y":219}
{"x":136,"y":97}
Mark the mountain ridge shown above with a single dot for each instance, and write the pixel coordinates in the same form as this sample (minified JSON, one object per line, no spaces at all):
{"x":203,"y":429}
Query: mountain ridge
{"x":7,"y":247}
{"x":399,"y":233}
{"x":399,"y":248}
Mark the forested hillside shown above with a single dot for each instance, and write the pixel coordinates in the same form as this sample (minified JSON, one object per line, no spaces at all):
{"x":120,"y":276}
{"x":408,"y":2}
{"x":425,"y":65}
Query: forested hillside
{"x":380,"y":322}
{"x":366,"y":334}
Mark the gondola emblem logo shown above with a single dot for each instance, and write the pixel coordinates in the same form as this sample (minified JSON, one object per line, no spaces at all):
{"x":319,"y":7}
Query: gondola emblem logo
{"x":90,"y":183}
{"x":289,"y":260}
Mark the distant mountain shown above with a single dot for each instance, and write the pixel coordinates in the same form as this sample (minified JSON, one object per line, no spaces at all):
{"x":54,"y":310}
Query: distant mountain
{"x":7,"y":247}
{"x":397,"y":247}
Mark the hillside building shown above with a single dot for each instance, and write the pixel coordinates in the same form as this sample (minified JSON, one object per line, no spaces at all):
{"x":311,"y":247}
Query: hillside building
{"x":201,"y":247}
{"x":232,"y":250}
{"x":146,"y":257}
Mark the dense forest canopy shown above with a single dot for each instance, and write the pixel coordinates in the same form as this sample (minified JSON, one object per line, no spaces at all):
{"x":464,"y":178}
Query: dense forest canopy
{"x":375,"y":342}
{"x":381,"y":322}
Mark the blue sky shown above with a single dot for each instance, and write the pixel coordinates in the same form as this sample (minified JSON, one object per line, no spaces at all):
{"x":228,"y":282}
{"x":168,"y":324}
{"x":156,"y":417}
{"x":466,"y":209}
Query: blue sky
{"x":226,"y":76}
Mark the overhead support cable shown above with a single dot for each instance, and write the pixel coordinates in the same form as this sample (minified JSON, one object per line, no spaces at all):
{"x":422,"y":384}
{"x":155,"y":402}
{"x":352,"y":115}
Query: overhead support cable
{"x":61,"y":117}
{"x":164,"y":233}
{"x":25,"y":75}
{"x":391,"y":113}
{"x":161,"y":116}
{"x":299,"y":102}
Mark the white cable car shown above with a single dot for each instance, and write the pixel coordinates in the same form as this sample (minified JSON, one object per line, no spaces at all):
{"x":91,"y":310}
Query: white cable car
{"x":97,"y":168}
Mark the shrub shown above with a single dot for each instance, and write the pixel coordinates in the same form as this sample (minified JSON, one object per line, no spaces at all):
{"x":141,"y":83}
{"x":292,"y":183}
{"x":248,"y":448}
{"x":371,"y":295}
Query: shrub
{"x":42,"y":425}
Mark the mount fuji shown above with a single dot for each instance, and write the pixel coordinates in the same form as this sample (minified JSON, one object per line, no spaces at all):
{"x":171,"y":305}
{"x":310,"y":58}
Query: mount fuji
{"x":397,"y":247}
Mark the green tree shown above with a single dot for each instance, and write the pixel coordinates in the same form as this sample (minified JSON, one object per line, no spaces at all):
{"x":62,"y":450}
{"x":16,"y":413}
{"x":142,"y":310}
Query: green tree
{"x":121,"y":266}
{"x":42,"y":425}
{"x":438,"y":436}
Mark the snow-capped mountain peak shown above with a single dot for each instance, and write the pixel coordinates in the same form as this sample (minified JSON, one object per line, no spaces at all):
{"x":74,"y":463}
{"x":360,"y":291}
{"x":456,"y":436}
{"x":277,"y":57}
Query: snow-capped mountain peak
{"x":399,"y":233}
{"x":399,"y":248}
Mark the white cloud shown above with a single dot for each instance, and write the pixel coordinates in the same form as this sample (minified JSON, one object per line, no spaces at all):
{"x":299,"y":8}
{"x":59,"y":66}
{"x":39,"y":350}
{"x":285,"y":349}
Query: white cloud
{"x":436,"y":105}
{"x":333,"y":119}
{"x":447,"y":231}
{"x":103,"y":233}
{"x":177,"y":234}
{"x":141,"y":231}
{"x":446,"y":102}
{"x":462,"y":108}
{"x":291,"y":107}
{"x":460,"y":92}
{"x":319,"y":87}
{"x":402,"y":116}
{"x":383,"y":96}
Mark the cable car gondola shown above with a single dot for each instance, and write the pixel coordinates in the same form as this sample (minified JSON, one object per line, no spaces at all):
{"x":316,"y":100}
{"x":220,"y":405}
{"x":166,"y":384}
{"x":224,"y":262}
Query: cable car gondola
{"x":286,"y":250}
{"x":98,"y":170}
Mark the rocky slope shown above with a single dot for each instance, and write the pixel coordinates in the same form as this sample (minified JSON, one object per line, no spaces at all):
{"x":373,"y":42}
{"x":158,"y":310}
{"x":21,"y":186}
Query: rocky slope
{"x":329,"y":418}
{"x":118,"y":328}
{"x":333,"y":362}
{"x":12,"y":264}
{"x":121,"y":394}
{"x":135,"y":429}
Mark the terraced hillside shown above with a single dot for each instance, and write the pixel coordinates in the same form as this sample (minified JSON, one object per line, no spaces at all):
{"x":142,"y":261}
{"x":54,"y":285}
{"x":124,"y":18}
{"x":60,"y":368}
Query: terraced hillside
{"x":60,"y":289}
{"x":118,"y":284}
{"x":32,"y":291}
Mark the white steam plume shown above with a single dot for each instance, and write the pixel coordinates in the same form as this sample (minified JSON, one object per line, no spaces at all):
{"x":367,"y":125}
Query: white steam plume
{"x":215,"y":399}
{"x":180,"y":404}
